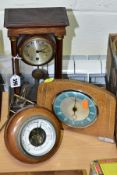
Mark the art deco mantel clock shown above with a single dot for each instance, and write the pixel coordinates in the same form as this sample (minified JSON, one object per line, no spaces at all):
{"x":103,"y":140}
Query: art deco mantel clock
{"x":80,"y":106}
{"x":36,"y":35}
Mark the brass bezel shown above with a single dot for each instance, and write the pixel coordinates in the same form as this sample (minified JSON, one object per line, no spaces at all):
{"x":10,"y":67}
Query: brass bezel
{"x":28,"y":38}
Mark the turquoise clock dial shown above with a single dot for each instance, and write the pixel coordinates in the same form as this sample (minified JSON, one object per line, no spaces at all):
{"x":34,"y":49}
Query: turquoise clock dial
{"x":75,"y":108}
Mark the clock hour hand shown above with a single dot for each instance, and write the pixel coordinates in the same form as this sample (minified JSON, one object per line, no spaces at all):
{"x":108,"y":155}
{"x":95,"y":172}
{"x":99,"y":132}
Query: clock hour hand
{"x":42,"y":50}
{"x":37,"y":51}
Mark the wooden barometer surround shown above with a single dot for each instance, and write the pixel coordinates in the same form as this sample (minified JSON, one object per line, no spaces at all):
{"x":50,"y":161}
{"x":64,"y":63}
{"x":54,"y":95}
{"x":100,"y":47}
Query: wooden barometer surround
{"x":33,"y":135}
{"x":37,"y":21}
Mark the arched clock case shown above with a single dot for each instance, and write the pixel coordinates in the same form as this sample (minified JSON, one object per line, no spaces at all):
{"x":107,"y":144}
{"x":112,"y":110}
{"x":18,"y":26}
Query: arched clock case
{"x":80,"y":106}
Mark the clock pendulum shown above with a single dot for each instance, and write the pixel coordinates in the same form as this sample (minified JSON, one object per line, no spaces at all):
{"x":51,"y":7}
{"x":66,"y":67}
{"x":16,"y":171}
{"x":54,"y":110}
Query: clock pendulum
{"x":38,"y":75}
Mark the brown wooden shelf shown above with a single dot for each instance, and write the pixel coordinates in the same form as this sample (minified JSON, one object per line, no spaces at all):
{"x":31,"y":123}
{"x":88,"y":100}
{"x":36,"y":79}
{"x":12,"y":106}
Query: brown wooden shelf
{"x":66,"y":172}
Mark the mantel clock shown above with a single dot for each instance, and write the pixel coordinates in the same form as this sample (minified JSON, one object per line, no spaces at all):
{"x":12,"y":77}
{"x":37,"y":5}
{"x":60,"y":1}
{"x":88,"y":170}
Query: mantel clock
{"x":36,"y":35}
{"x":80,"y":106}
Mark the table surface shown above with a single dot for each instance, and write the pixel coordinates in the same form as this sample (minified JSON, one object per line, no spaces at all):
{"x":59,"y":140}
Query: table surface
{"x":76,"y":152}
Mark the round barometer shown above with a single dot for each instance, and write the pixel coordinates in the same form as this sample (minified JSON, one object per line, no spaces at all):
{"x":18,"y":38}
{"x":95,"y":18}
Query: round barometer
{"x":33,"y":135}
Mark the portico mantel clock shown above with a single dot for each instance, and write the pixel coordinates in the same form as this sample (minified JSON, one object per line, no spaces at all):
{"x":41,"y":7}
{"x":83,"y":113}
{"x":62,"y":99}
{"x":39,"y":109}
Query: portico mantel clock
{"x":36,"y":35}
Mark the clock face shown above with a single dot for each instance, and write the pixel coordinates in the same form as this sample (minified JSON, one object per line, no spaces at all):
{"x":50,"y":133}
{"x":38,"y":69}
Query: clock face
{"x":37,"y":51}
{"x":37,"y":136}
{"x":75,"y":109}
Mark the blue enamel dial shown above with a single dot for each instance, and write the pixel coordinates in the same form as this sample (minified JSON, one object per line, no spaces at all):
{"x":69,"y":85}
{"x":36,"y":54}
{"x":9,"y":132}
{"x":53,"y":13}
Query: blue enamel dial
{"x":75,"y":108}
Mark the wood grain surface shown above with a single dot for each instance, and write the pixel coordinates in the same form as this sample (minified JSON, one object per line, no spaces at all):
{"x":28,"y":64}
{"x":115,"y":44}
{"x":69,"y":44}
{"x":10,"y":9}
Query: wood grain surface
{"x":66,"y":172}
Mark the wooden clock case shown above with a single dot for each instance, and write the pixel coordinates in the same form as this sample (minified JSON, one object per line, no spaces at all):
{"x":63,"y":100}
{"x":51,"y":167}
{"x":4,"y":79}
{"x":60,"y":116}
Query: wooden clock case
{"x":22,"y":22}
{"x":111,"y":70}
{"x":105,"y":101}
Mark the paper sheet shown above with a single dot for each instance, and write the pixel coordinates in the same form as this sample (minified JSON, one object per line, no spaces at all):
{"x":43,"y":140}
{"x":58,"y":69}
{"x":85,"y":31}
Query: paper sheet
{"x":109,"y":168}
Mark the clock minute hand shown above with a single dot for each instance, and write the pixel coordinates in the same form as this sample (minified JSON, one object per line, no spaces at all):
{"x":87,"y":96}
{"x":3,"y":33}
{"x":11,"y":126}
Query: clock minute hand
{"x":74,"y":107}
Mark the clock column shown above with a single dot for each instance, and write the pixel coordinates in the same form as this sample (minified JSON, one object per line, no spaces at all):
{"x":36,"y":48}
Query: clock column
{"x":15,"y":62}
{"x":58,"y":57}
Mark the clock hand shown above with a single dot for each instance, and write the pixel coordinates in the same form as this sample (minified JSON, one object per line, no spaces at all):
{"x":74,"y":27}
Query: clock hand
{"x":37,"y":47}
{"x":75,"y":107}
{"x":41,"y":49}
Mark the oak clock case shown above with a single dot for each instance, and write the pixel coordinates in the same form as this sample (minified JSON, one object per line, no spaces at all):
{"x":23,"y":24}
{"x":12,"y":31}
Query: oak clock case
{"x":80,"y":106}
{"x":36,"y":50}
{"x":33,"y":135}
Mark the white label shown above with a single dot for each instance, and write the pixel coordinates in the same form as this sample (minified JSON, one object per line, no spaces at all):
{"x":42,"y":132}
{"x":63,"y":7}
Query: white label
{"x":15,"y":81}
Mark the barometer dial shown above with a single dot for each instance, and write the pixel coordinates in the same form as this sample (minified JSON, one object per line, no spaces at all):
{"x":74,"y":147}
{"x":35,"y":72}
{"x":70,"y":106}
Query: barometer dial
{"x":37,"y":136}
{"x":33,"y":135}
